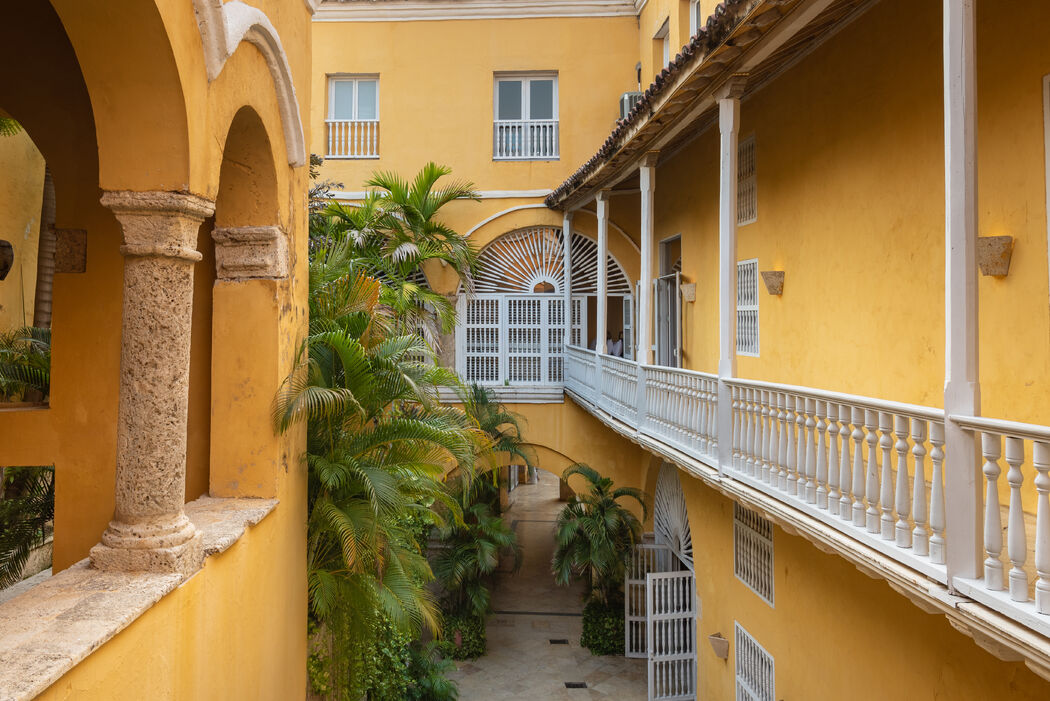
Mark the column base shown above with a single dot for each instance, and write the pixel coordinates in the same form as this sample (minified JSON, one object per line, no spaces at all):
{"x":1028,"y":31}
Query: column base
{"x":184,"y":558}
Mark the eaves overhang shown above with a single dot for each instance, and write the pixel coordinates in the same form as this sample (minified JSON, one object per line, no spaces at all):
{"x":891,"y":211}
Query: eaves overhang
{"x":747,"y":42}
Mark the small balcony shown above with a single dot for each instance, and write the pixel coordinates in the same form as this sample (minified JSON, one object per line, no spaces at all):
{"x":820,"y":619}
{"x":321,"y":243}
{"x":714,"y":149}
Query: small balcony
{"x":352,"y":138}
{"x":525,"y":140}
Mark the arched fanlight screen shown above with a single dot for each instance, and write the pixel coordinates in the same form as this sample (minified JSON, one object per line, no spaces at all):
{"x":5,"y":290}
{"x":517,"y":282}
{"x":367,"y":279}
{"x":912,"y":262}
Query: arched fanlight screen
{"x":519,"y":261}
{"x":670,"y":516}
{"x":512,"y":327}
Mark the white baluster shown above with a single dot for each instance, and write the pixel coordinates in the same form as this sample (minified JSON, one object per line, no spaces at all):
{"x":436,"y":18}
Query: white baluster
{"x":792,"y":452}
{"x":845,"y":476}
{"x":330,"y":152}
{"x":756,"y":433}
{"x":920,"y":535}
{"x":766,"y":431}
{"x":937,"y":493}
{"x":991,"y":447}
{"x":749,"y":430}
{"x":834,"y":493}
{"x":811,"y":452}
{"x":858,"y":467}
{"x":1041,"y":462}
{"x":782,"y":448}
{"x":903,"y":502}
{"x":734,"y":393}
{"x":871,"y":487}
{"x":800,"y":447}
{"x":701,"y":430}
{"x":886,"y":492}
{"x":1016,"y":540}
{"x":774,"y":439}
{"x":822,"y":457}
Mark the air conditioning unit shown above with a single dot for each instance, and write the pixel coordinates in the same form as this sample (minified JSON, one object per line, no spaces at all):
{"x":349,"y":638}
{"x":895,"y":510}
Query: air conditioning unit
{"x":627,"y":102}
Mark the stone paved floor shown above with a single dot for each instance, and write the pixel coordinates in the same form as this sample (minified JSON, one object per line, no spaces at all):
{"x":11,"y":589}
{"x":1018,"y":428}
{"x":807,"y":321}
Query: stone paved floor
{"x":529,"y":611}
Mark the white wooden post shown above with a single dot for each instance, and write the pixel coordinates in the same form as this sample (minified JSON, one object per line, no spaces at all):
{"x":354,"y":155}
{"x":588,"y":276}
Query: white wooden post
{"x":729,"y":127}
{"x":566,"y":237}
{"x":962,"y":393}
{"x":603,"y":265}
{"x":647,"y":182}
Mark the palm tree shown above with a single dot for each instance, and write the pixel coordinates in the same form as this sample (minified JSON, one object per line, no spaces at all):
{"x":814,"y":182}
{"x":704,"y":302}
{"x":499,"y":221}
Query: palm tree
{"x":595,"y":535}
{"x":25,"y":517}
{"x":396,"y":231}
{"x":25,"y":364}
{"x":470,"y":554}
{"x":378,"y":446}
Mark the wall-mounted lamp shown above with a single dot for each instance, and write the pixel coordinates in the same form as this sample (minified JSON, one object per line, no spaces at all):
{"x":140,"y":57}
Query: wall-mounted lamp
{"x":994,"y":253}
{"x":774,"y":280}
{"x":688,"y":291}
{"x":720,"y":645}
{"x":7,"y":258}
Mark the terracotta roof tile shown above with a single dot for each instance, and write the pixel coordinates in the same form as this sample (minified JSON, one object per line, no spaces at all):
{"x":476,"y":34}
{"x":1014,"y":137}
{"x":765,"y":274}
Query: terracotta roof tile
{"x":720,"y":24}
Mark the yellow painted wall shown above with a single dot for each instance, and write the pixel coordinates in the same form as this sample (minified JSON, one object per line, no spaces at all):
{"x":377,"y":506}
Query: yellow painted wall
{"x":849,"y":148}
{"x":835,"y":633}
{"x":21,"y":193}
{"x":436,"y":91}
{"x":651,"y":18}
{"x":231,"y":631}
{"x":118,"y":99}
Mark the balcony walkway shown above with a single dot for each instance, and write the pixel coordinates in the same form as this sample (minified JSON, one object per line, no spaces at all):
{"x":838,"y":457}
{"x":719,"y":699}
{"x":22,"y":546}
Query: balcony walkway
{"x":529,"y":611}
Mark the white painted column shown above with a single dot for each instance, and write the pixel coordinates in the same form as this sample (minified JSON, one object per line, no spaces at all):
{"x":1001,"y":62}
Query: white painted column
{"x":962,"y":392}
{"x":728,"y":126}
{"x":647,"y":180}
{"x":603,"y":258}
{"x":566,"y":234}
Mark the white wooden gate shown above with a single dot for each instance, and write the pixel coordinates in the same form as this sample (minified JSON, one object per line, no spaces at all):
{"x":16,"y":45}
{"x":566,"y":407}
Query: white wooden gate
{"x":670,"y":602}
{"x":646,"y":558}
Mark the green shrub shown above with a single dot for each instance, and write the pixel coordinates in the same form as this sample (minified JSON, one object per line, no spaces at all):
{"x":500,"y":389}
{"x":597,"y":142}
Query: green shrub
{"x":428,"y":670}
{"x":602,"y":628}
{"x":464,"y":637}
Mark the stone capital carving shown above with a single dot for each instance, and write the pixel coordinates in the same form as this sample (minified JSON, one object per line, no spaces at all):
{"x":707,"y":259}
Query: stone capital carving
{"x":159,"y":224}
{"x":247,"y":252}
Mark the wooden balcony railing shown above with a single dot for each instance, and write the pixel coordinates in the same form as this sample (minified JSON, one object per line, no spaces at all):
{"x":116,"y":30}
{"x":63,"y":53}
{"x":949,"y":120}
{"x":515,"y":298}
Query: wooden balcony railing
{"x":526,"y":139}
{"x":871,"y":469}
{"x":353,"y":138}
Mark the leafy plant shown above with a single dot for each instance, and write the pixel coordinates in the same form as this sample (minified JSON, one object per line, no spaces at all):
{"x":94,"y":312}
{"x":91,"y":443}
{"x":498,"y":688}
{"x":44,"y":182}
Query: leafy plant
{"x":428,"y":671}
{"x":603,"y":627}
{"x":26,"y":514}
{"x":595,"y":534}
{"x":464,"y":637}
{"x":25,"y":364}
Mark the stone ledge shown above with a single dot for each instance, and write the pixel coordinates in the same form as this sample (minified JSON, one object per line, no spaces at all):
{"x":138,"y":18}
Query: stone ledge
{"x":49,"y":629}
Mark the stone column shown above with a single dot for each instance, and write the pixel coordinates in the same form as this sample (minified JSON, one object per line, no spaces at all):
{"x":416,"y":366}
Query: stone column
{"x":603,"y":266}
{"x":149,"y":530}
{"x":647,"y":218}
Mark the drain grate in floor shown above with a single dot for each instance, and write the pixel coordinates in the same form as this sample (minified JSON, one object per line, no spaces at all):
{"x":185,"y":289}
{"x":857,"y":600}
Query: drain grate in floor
{"x":575,"y":685}
{"x":558,"y":641}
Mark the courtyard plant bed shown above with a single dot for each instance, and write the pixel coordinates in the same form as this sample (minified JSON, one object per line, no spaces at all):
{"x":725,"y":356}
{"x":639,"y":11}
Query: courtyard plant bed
{"x":603,"y":628}
{"x":464,"y":637}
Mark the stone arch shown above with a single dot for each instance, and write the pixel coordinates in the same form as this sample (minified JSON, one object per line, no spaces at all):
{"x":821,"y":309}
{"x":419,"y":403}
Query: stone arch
{"x":223,"y":27}
{"x":132,"y":78}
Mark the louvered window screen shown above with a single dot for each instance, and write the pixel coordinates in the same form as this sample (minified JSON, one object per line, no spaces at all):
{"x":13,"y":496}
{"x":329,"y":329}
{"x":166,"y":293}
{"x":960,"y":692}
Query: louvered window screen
{"x":746,"y":191}
{"x":754,"y":669}
{"x":747,"y":307}
{"x":753,"y":551}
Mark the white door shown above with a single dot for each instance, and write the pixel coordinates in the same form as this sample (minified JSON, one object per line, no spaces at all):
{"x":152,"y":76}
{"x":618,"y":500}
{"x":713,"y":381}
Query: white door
{"x":646,"y":558}
{"x":668,"y":320}
{"x":670,"y":602}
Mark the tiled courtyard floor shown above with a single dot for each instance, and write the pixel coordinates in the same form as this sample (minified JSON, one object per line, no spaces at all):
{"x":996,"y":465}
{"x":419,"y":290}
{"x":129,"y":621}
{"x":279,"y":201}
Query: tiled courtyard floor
{"x":529,"y":611}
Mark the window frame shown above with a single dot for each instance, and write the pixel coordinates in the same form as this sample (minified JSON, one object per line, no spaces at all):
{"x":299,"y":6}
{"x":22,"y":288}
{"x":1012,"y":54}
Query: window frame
{"x":526,"y":94}
{"x":747,"y":181}
{"x":746,"y":308}
{"x":354,"y":78}
{"x":663,"y":35}
{"x":694,"y":17}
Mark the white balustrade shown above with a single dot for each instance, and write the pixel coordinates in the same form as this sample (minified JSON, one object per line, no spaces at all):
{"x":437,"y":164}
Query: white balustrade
{"x":872,"y":469}
{"x":1013,"y":592}
{"x":353,"y":138}
{"x":858,"y":464}
{"x":525,"y":139}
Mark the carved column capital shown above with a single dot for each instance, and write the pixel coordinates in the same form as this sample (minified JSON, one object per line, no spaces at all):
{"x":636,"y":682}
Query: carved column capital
{"x":247,"y":252}
{"x":159,"y":224}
